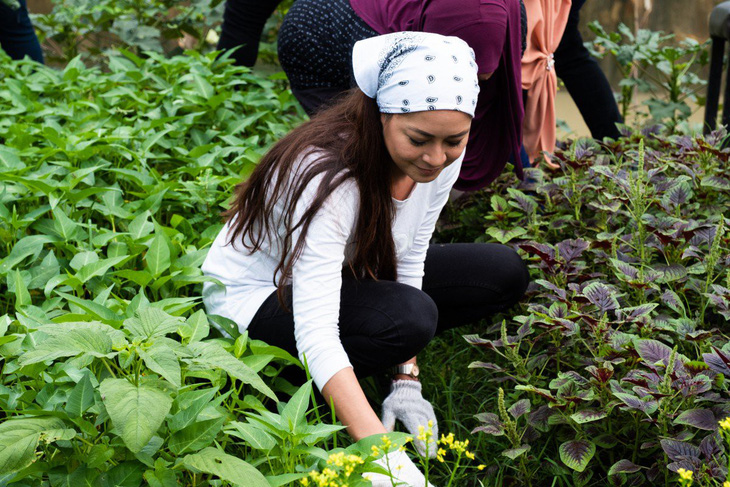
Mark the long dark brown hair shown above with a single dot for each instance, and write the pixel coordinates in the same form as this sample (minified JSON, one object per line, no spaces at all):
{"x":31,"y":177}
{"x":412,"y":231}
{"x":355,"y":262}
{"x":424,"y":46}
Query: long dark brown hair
{"x":347,"y":139}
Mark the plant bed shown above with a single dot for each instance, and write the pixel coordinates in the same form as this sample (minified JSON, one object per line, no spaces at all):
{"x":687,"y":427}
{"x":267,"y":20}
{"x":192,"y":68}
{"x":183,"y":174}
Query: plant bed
{"x":614,"y":370}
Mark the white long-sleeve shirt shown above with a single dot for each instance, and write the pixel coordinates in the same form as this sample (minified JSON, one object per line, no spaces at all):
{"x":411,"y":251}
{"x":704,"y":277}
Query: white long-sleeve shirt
{"x":317,"y":274}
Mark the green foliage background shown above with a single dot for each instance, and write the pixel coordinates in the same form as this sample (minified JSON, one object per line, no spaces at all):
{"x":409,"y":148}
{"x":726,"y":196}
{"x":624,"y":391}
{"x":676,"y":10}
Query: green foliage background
{"x":113,"y":172}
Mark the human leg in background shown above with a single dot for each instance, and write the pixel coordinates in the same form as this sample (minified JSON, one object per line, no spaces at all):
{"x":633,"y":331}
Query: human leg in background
{"x":243,"y":23}
{"x":585,"y":81}
{"x":17,"y":37}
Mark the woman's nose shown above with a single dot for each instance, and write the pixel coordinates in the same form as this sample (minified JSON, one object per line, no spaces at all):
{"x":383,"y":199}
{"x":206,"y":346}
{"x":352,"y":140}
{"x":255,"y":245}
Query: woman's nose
{"x":435,"y":157}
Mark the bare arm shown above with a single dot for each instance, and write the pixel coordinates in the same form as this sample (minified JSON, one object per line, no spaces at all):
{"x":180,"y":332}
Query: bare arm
{"x":351,"y":406}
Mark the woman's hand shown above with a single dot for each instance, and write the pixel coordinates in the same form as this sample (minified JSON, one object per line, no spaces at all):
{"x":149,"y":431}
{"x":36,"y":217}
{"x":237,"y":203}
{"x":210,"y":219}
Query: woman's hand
{"x":404,"y":472}
{"x":406,"y":403}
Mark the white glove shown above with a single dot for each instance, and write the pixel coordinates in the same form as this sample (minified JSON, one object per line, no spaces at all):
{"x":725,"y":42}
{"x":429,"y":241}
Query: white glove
{"x":406,"y":403}
{"x":404,"y":471}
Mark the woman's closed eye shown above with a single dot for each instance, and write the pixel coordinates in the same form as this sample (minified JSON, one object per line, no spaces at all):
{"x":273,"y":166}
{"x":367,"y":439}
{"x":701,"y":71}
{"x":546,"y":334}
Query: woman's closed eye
{"x":450,"y":143}
{"x":417,"y":143}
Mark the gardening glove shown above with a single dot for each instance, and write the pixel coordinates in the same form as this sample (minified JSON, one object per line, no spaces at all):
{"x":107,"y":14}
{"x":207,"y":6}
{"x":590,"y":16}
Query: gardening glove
{"x":406,"y":403}
{"x":404,"y":471}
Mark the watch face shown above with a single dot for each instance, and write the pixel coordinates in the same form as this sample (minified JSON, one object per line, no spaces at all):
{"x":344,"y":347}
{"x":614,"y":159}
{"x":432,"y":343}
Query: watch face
{"x":415,"y":370}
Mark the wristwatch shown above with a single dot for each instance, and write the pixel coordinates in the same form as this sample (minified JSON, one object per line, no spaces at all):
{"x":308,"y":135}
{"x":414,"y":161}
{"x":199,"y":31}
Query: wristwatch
{"x":410,"y":370}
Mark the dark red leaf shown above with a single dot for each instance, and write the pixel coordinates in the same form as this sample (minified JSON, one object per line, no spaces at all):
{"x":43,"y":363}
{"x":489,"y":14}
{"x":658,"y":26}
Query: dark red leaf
{"x":679,"y":450}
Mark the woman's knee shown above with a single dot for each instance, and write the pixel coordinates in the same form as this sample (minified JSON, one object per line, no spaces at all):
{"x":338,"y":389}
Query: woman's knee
{"x":393,"y":324}
{"x":416,"y":317}
{"x":514,"y":275}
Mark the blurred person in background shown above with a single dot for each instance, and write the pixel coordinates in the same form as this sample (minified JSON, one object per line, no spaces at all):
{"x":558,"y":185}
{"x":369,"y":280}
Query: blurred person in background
{"x":243,"y":24}
{"x":546,"y":21}
{"x":585,"y":80}
{"x":17,"y":37}
{"x":316,"y":40}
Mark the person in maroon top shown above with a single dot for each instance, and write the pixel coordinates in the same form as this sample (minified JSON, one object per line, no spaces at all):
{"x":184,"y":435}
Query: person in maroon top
{"x":316,"y":39}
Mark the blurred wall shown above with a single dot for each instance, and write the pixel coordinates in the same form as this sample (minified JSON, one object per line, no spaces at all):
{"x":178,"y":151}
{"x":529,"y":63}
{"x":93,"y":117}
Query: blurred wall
{"x":40,"y":6}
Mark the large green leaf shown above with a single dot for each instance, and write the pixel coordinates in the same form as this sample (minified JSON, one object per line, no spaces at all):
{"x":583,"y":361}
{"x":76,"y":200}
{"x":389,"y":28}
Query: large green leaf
{"x":202,"y":87}
{"x":212,"y":355}
{"x":9,"y":160}
{"x":161,"y":477}
{"x":19,"y":439}
{"x":65,"y":227}
{"x":20,"y":289}
{"x":196,"y":327}
{"x":140,"y":227}
{"x":71,"y":339}
{"x":31,"y":245}
{"x":255,"y":437}
{"x":162,"y":359}
{"x":137,"y":412}
{"x":96,"y":310}
{"x":196,"y":436}
{"x":126,"y":474}
{"x":81,"y":397}
{"x":149,"y":322}
{"x":577,"y":453}
{"x":99,"y":268}
{"x":227,"y":467}
{"x":83,"y":258}
{"x":83,"y":476}
{"x":295,"y":411}
{"x":158,"y":256}
{"x":189,"y":404}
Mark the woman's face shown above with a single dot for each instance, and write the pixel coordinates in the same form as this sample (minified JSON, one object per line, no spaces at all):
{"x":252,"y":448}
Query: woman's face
{"x":422,"y":144}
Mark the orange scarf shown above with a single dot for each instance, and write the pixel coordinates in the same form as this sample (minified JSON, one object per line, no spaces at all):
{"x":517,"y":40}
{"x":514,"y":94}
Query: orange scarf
{"x":546,"y":20}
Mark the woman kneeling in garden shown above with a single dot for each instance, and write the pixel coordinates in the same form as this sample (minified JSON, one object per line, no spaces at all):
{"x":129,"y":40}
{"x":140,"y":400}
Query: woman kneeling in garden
{"x":326,"y":248}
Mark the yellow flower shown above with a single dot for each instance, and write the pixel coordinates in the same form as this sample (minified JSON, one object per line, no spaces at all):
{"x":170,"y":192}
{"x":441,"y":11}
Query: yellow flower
{"x":725,"y":424}
{"x":447,"y":440}
{"x":344,"y":467}
{"x":726,"y":484}
{"x":469,"y":455}
{"x":425,"y":433}
{"x":685,"y":474}
{"x":481,"y":467}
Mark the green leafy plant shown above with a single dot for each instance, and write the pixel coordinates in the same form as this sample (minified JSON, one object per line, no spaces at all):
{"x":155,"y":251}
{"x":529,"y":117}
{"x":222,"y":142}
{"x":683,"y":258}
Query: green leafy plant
{"x":83,"y":27}
{"x":619,"y":359}
{"x":654,"y":62}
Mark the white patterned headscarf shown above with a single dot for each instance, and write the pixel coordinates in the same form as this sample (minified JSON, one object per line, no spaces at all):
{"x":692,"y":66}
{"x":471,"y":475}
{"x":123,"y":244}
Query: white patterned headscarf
{"x":417,"y":71}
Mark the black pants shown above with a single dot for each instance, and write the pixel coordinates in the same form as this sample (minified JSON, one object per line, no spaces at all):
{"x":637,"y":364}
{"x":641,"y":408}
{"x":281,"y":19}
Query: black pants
{"x":17,"y":37}
{"x":585,"y":81}
{"x":385,"y":323}
{"x":243,"y":23}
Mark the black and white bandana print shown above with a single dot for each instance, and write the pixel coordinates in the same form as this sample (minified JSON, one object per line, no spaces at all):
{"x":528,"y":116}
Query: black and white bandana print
{"x":416,"y":71}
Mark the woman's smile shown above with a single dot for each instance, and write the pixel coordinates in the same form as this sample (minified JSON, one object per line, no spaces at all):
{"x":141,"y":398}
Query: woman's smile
{"x":422,"y":144}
